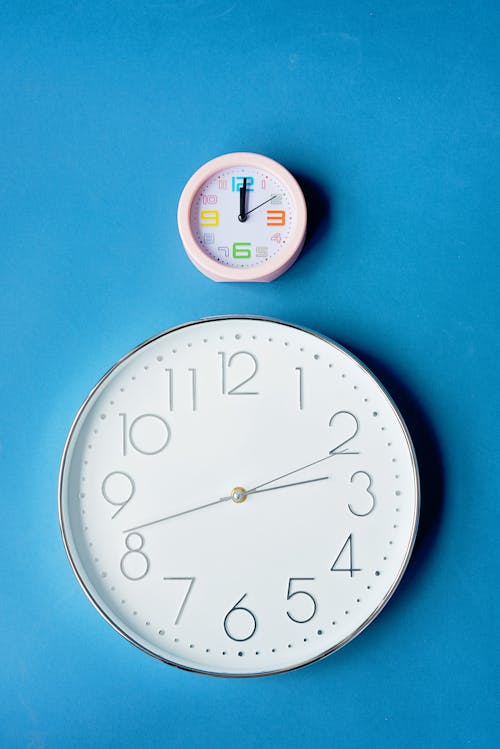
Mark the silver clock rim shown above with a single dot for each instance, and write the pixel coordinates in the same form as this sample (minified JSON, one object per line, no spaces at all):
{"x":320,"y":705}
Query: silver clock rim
{"x":403,"y":566}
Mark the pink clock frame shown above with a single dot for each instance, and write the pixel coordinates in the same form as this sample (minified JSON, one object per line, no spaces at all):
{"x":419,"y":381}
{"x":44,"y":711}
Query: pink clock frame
{"x":277,"y":264}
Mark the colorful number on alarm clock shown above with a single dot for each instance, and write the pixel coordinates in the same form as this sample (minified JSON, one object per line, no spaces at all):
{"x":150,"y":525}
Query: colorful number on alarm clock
{"x":241,"y":250}
{"x":237,"y":182}
{"x":276,"y":218}
{"x":209,"y":218}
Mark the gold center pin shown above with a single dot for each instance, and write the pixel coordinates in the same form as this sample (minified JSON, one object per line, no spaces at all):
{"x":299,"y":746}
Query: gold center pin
{"x":238,"y":494}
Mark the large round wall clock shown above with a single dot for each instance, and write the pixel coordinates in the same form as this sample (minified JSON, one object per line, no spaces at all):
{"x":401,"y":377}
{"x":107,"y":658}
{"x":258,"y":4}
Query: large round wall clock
{"x":239,"y":496}
{"x":242,"y":217}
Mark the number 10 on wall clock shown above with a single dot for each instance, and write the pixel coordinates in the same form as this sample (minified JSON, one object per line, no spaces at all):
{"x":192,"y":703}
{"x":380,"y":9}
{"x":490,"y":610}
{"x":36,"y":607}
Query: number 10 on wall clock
{"x":239,"y":496}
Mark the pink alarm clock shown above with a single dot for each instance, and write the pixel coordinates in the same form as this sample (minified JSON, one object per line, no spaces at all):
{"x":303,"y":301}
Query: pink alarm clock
{"x":242,"y":217}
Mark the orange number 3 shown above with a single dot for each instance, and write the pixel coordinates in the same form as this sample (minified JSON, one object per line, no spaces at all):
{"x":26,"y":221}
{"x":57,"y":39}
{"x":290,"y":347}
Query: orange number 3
{"x":276,"y":218}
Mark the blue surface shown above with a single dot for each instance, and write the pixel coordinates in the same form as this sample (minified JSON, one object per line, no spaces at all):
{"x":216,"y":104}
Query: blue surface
{"x":387,"y":113}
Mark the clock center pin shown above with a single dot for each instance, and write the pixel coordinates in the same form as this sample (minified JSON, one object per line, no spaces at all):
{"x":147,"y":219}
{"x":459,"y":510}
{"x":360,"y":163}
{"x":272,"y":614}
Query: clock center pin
{"x":238,"y":494}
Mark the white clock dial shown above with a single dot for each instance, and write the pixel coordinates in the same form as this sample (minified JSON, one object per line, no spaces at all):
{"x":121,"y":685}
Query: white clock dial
{"x":216,"y":219}
{"x":239,"y":496}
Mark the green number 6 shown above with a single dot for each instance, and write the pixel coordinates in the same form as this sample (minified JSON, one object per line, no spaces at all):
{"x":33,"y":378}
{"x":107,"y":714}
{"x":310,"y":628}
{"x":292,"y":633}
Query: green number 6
{"x":242,"y":249}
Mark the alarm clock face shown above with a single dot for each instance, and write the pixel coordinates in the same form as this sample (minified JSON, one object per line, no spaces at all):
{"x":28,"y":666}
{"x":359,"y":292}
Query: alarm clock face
{"x":216,"y":219}
{"x":239,"y":496}
{"x":242,"y":217}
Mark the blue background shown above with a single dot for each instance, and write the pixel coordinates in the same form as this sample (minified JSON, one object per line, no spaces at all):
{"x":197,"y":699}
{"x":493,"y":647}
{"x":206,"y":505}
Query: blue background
{"x":387,"y":113}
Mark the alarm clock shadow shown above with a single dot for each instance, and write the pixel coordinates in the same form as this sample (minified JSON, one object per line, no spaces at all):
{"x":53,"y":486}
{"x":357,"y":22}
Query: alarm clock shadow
{"x":432,"y":485}
{"x":320,"y":212}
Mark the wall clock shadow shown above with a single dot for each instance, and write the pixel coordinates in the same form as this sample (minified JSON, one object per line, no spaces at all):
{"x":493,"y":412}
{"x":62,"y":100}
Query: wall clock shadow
{"x":432,"y":489}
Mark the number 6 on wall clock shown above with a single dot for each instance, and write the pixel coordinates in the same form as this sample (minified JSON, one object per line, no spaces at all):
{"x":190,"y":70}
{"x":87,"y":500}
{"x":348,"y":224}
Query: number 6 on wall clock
{"x":184,"y":525}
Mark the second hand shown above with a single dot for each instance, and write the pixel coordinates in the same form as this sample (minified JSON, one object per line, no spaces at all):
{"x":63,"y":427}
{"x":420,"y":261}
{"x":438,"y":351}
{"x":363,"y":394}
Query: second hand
{"x":256,"y":490}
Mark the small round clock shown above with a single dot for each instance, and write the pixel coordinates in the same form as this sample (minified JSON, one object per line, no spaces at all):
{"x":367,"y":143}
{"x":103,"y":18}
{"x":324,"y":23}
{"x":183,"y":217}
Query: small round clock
{"x":242,"y":217}
{"x":239,"y":496}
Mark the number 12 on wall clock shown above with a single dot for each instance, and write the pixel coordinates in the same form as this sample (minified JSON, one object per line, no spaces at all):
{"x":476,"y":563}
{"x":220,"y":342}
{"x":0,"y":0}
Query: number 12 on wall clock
{"x":239,"y":496}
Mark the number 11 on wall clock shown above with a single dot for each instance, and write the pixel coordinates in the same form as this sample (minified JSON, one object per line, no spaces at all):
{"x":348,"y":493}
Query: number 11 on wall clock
{"x":239,"y":496}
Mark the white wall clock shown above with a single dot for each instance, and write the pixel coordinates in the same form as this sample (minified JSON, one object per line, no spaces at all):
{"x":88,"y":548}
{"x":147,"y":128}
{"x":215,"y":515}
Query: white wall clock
{"x":239,"y":496}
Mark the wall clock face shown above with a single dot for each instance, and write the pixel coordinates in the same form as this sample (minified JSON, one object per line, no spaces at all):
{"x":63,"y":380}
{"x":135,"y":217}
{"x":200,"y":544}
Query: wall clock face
{"x":239,"y":496}
{"x":242,"y":217}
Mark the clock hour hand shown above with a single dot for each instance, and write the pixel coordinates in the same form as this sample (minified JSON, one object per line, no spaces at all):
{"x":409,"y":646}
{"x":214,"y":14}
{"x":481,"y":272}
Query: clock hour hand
{"x":242,"y":216}
{"x":331,"y":454}
{"x":241,"y":494}
{"x":237,"y":495}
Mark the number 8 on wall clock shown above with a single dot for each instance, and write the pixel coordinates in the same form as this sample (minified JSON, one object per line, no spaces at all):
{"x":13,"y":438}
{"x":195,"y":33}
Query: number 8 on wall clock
{"x":239,"y":496}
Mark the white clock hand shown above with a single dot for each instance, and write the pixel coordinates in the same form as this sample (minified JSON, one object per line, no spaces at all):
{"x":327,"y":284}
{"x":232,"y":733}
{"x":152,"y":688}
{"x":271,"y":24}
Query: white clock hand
{"x":177,"y":514}
{"x":331,"y":454}
{"x":238,"y":495}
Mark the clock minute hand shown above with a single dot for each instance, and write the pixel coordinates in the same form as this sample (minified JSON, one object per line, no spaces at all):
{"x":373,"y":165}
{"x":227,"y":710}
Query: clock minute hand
{"x":260,"y":205}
